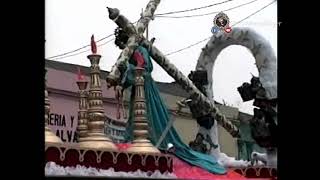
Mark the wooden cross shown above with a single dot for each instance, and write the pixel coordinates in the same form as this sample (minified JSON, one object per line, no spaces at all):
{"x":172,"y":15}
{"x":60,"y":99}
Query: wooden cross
{"x":135,"y":34}
{"x":136,"y":38}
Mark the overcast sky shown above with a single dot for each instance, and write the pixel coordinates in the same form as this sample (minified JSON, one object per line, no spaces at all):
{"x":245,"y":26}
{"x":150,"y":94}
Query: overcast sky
{"x":70,"y":24}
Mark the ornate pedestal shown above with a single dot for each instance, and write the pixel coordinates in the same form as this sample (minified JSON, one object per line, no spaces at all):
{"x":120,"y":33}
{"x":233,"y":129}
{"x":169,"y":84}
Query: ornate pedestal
{"x":96,"y":138}
{"x":141,"y":143}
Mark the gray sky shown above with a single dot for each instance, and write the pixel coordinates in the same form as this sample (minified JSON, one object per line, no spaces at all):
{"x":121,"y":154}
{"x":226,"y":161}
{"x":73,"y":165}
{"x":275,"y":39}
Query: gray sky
{"x":70,"y":24}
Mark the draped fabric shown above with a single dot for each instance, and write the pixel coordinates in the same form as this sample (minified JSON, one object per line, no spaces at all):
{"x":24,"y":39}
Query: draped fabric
{"x":158,"y":118}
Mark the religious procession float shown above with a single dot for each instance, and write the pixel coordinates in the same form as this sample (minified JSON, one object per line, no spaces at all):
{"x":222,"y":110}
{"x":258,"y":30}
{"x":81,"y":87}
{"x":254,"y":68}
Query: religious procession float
{"x":152,"y":147}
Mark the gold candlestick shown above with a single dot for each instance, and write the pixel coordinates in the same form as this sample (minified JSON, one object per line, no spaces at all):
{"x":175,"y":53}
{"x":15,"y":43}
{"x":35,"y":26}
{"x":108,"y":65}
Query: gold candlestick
{"x":50,"y":137}
{"x":96,"y":138}
{"x":141,"y":143}
{"x":82,"y":128}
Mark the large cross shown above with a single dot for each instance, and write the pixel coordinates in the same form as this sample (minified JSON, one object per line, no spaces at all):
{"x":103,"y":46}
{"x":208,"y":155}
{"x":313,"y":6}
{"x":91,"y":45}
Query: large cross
{"x":136,"y":38}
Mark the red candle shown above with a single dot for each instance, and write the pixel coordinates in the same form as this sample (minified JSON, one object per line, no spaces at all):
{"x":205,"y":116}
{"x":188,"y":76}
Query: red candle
{"x":80,"y":75}
{"x":93,"y":45}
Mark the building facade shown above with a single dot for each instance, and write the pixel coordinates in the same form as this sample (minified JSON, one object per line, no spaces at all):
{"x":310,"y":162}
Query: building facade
{"x":64,"y":103}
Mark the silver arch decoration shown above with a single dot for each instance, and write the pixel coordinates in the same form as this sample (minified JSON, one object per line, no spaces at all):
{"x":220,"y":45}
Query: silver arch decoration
{"x":266,"y":63}
{"x":260,"y":48}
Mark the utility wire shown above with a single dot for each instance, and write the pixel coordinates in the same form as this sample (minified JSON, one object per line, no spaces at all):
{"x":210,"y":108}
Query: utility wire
{"x":106,"y":42}
{"x":159,"y":15}
{"x":174,"y":52}
{"x":187,"y":47}
{"x":82,"y":51}
{"x":193,"y":9}
{"x":254,"y":13}
{"x":215,"y":12}
{"x":81,"y":48}
{"x":78,"y":48}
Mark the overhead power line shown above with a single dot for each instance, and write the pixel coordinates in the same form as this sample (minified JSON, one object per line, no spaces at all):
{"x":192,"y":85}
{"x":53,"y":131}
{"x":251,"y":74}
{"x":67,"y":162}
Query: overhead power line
{"x":160,"y":15}
{"x":254,"y":13}
{"x":193,"y":9}
{"x":215,"y":12}
{"x":174,"y":52}
{"x":157,"y":15}
{"x":63,"y":54}
{"x":78,"y":48}
{"x":82,"y":51}
{"x":187,"y":47}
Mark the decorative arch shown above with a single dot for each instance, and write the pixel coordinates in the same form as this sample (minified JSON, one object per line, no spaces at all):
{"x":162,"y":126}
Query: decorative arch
{"x":260,"y":48}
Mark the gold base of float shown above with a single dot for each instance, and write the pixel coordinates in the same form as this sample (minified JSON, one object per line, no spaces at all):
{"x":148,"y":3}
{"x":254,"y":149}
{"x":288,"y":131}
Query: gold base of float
{"x":142,"y":146}
{"x":71,"y":155}
{"x":97,"y":142}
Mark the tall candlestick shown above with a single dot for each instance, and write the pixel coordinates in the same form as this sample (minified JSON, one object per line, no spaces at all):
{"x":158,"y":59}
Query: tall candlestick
{"x":141,"y":143}
{"x":82,"y":128}
{"x":50,"y":137}
{"x":96,"y":138}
